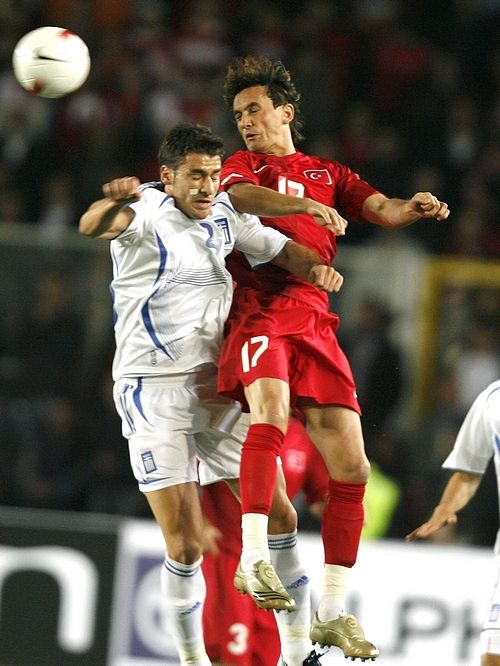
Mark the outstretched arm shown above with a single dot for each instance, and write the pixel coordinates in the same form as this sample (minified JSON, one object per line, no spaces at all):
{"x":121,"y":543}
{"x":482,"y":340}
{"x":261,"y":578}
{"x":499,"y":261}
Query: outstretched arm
{"x":260,"y":200}
{"x":109,"y":217}
{"x":395,"y":213}
{"x":306,"y":265}
{"x":459,"y":490}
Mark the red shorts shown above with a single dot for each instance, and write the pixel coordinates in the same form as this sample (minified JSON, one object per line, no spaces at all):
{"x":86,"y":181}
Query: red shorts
{"x":283,"y":338}
{"x":236,"y":631}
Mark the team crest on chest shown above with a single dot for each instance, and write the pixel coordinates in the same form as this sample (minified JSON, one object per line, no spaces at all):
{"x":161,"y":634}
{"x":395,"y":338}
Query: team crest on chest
{"x":223,"y":224}
{"x":319,"y":175}
{"x":214,"y":240}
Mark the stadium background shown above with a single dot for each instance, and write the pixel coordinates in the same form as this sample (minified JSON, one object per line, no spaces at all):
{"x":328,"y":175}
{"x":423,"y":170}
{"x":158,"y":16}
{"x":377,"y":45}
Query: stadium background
{"x":407,"y":94}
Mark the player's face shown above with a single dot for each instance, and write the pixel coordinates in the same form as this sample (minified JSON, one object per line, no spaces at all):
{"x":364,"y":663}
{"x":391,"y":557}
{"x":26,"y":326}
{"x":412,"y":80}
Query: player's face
{"x":264,"y":128}
{"x":193,"y":184}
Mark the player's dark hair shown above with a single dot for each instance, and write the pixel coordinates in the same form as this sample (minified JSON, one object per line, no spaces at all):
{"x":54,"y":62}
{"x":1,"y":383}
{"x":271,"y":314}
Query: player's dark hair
{"x":251,"y":71}
{"x":187,"y":138}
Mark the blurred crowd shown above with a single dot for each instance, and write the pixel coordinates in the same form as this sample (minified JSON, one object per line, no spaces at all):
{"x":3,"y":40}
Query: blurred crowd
{"x":407,"y":93}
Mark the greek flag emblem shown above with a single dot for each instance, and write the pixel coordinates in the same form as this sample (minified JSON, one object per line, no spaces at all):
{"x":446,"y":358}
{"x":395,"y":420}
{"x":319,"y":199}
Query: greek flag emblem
{"x":223,"y":224}
{"x":494,"y":612}
{"x":149,"y":462}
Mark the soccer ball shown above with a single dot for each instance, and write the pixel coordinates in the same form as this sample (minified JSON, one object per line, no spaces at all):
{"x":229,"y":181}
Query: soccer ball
{"x":51,"y":62}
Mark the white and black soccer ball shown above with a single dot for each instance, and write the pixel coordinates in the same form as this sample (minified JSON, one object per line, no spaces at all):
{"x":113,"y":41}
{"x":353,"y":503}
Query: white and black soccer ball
{"x":51,"y":62}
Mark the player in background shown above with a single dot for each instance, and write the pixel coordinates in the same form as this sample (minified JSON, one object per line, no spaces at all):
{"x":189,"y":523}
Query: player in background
{"x":477,"y":442}
{"x":171,"y":295}
{"x":281,"y":347}
{"x":237,"y":632}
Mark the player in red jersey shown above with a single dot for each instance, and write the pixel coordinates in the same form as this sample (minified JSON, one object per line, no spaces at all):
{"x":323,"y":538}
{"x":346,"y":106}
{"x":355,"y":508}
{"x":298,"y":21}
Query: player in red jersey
{"x":237,"y":632}
{"x":281,"y":347}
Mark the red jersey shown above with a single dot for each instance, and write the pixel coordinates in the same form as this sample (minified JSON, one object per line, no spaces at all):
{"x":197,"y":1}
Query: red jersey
{"x":323,"y":180}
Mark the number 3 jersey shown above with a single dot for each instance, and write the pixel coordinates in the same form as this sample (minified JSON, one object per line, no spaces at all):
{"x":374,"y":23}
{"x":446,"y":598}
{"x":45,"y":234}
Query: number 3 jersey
{"x":171,"y":290}
{"x":300,"y":175}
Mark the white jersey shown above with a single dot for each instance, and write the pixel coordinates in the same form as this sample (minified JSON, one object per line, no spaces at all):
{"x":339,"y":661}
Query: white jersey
{"x":171,"y":290}
{"x":479,"y":437}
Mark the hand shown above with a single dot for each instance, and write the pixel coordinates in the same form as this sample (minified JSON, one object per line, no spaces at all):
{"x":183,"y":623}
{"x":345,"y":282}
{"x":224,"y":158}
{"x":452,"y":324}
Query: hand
{"x":325,"y":278}
{"x":426,"y":204}
{"x":211,"y":536}
{"x":441,"y":516}
{"x":326,"y":217}
{"x":123,"y":189}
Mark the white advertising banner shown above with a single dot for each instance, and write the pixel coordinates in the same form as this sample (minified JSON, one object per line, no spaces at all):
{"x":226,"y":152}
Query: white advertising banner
{"x":420,"y":603}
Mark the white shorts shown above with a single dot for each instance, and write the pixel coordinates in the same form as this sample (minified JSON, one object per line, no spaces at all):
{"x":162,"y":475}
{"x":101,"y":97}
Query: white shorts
{"x":490,"y":633}
{"x":174,"y":423}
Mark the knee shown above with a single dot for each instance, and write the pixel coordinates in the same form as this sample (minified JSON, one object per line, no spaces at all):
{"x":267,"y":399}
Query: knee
{"x":343,"y":451}
{"x":272,"y":411}
{"x":350,"y":465}
{"x":184,"y":549}
{"x":358,"y":470}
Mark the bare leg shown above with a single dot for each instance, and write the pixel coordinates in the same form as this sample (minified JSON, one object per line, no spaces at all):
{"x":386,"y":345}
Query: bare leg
{"x":336,"y":432}
{"x":178,"y":513}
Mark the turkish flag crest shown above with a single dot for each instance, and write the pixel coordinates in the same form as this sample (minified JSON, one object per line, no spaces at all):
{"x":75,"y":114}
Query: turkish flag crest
{"x":319,"y":175}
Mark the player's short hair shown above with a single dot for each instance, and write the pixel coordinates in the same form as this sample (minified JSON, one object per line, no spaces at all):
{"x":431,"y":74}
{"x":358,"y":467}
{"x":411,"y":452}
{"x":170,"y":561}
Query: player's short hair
{"x":186,"y":138}
{"x":248,"y":71}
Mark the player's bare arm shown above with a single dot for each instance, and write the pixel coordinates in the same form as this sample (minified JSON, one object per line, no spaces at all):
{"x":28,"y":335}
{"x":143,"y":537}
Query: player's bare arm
{"x":326,"y":278}
{"x":459,"y":491}
{"x":306,"y":265}
{"x":211,"y":537}
{"x":326,"y":216}
{"x":395,"y":213}
{"x":259,"y":200}
{"x":107,"y":218}
{"x":317,"y":508}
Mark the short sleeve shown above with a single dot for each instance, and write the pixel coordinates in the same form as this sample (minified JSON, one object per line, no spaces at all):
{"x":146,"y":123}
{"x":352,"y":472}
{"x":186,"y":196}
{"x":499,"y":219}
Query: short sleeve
{"x":135,"y":231}
{"x":237,"y":169}
{"x":259,"y":243}
{"x":351,"y":193}
{"x":475,"y":442}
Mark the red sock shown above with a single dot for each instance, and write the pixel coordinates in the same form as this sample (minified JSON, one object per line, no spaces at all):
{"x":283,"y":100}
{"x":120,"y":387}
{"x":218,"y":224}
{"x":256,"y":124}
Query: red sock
{"x":342,"y":522}
{"x":258,"y":467}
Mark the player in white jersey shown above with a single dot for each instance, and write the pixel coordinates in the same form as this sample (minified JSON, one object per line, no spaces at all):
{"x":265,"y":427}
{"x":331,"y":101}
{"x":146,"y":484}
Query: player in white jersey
{"x":171,"y":294}
{"x":477,"y":442}
{"x":187,"y":263}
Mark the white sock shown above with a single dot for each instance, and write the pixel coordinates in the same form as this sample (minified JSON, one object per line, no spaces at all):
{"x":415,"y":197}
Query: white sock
{"x":332,"y":603}
{"x":293,"y":627}
{"x":254,"y":539}
{"x":184,"y":590}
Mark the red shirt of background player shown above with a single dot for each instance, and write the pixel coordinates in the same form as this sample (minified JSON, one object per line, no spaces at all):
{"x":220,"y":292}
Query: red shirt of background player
{"x":236,"y":631}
